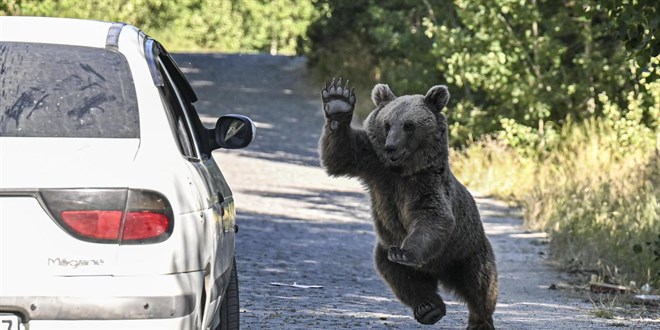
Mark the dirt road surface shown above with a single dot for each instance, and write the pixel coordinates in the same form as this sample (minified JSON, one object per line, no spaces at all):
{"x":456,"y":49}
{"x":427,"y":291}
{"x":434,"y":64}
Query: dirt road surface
{"x":299,"y":226}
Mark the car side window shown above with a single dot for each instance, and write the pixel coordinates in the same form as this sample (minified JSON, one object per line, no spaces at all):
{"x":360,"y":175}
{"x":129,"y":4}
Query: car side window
{"x":173,"y":100}
{"x":199,"y":135}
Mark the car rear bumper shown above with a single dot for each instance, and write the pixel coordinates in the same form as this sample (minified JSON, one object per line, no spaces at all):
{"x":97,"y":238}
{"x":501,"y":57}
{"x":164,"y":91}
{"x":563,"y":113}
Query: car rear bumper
{"x":99,"y":308}
{"x":164,"y":301}
{"x":185,"y":322}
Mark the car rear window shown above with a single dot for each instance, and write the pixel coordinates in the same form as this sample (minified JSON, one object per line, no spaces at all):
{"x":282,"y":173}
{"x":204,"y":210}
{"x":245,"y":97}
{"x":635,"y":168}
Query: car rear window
{"x":49,"y":90}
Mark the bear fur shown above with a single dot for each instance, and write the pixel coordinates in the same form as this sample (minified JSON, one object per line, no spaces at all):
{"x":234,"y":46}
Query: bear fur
{"x":427,"y":223}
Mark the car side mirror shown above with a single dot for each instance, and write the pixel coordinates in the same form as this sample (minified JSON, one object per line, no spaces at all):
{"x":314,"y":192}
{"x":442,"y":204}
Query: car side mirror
{"x":234,"y":131}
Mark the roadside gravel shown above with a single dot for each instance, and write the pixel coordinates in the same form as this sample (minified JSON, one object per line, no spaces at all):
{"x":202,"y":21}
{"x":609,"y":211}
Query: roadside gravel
{"x":298,"y":226}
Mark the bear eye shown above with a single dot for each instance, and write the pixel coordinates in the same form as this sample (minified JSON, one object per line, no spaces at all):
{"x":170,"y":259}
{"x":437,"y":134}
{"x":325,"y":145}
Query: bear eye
{"x":409,"y":127}
{"x":387,"y":127}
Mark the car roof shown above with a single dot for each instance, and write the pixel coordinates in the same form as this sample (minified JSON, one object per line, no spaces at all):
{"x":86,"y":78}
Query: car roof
{"x":67,"y":31}
{"x":82,"y":32}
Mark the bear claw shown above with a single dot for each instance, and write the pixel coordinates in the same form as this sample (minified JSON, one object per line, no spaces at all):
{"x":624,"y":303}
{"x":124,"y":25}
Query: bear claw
{"x":429,"y":313}
{"x":337,"y":98}
{"x":400,"y":256}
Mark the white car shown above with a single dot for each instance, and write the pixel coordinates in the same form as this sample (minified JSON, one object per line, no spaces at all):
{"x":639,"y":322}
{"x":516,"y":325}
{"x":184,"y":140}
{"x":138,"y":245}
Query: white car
{"x":113,"y":212}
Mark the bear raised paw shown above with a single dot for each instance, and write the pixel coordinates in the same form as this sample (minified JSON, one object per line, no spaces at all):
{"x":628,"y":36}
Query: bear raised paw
{"x":338,"y":102}
{"x":427,"y":223}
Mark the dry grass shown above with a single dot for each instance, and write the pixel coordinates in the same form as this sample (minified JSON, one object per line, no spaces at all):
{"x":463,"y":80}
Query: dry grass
{"x":595,"y":192}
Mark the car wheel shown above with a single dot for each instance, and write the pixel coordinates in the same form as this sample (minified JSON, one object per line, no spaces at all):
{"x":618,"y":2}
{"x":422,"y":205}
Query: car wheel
{"x":229,"y":311}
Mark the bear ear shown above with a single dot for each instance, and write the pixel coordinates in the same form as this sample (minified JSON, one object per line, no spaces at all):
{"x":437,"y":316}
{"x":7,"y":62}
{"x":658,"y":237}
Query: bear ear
{"x":437,"y":97}
{"x":382,"y":94}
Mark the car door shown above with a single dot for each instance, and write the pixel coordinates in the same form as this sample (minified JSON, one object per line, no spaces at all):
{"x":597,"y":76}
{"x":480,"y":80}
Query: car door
{"x":219,"y":205}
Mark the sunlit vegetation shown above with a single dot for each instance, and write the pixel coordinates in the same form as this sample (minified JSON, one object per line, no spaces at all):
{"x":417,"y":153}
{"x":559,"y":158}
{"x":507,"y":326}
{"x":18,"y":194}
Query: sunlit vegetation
{"x":596,"y":192}
{"x":275,"y":27}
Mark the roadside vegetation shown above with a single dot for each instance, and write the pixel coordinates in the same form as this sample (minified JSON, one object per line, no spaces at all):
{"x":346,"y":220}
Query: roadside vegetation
{"x":595,"y":192}
{"x":246,"y":26}
{"x":555,"y":104}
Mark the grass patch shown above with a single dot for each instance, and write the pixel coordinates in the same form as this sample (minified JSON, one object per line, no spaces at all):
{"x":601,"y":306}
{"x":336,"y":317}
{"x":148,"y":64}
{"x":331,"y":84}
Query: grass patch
{"x":595,"y":190}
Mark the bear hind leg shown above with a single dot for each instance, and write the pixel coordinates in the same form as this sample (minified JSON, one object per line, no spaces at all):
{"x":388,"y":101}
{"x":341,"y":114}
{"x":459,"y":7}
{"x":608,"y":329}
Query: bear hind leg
{"x":480,"y":294}
{"x":479,"y":319}
{"x":415,"y":289}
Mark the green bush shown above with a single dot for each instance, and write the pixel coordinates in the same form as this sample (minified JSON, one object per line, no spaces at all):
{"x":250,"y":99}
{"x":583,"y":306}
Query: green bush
{"x":277,"y":27}
{"x":531,"y":63}
{"x":594,"y":187}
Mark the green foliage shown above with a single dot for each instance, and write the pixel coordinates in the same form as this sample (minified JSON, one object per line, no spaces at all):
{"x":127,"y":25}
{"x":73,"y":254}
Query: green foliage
{"x":9,"y":7}
{"x":533,"y":62}
{"x":594,"y":186}
{"x":637,"y":23}
{"x":369,"y":41}
{"x":148,"y":14}
{"x":223,"y":25}
{"x":275,"y":26}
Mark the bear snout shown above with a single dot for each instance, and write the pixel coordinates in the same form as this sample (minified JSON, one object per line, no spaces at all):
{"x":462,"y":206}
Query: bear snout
{"x":394,"y":155}
{"x":390,"y":149}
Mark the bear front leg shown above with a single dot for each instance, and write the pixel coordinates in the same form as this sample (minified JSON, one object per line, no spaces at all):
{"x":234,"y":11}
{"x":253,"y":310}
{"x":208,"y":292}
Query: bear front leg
{"x":343,"y":150}
{"x":426,"y":240}
{"x":429,"y":223}
{"x":402,"y":257}
{"x":413,"y":288}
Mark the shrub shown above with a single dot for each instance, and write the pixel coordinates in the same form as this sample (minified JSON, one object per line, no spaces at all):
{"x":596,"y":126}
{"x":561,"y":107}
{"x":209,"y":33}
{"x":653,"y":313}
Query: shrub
{"x":593,"y":186}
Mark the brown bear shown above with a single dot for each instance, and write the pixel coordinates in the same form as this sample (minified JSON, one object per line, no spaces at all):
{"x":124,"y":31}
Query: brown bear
{"x":427,"y":223}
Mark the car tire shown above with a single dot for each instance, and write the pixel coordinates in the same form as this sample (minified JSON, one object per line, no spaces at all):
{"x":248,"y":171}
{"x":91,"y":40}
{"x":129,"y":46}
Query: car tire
{"x":229,"y":310}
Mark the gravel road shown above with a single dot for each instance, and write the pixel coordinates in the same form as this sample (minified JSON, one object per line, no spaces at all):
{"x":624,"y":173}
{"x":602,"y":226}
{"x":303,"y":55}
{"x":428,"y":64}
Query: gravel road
{"x":299,"y":226}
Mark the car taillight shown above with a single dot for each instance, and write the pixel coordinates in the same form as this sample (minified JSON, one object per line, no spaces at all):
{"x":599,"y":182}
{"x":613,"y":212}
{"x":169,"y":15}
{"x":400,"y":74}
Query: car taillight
{"x":144,"y":225}
{"x":124,"y":216}
{"x":94,"y":223}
